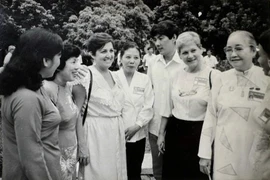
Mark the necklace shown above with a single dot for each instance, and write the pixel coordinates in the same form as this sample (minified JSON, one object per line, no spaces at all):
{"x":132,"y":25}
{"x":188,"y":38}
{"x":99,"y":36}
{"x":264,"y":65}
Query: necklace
{"x":187,"y":80}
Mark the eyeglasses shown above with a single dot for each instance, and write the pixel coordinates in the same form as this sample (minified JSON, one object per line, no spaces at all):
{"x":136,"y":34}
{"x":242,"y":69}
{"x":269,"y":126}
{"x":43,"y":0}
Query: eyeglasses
{"x":238,"y":49}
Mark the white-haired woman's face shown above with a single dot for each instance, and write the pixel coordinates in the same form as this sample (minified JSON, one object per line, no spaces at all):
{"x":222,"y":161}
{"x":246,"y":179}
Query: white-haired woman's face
{"x":191,"y":54}
{"x":238,"y":52}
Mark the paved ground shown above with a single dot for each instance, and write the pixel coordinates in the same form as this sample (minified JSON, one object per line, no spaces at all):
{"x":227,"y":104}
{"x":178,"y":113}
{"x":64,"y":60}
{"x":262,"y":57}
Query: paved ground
{"x":147,"y":172}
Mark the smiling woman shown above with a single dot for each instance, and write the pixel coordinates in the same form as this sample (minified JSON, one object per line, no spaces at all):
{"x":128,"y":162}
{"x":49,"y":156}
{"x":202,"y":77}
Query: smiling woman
{"x":71,"y":134}
{"x":104,"y":126}
{"x":137,"y":111}
{"x":182,"y":124}
{"x":229,"y":120}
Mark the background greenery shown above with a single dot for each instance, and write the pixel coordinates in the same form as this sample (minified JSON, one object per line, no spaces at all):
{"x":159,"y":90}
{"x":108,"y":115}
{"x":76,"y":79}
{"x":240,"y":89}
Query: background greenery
{"x":76,"y":20}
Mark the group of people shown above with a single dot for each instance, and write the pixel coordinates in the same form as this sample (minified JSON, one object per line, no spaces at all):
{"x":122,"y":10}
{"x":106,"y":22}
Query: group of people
{"x":200,"y":122}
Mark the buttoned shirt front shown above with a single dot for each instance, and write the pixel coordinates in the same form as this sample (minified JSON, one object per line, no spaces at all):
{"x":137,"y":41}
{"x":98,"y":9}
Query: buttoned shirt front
{"x":161,"y":74}
{"x":139,"y":99}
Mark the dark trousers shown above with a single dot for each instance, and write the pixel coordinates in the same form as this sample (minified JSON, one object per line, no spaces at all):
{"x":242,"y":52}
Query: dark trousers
{"x":180,"y":160}
{"x":135,"y":154}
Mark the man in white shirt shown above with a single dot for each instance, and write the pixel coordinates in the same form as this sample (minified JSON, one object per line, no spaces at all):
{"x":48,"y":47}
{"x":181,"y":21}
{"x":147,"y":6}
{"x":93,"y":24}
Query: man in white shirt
{"x":160,"y":71}
{"x":210,"y":60}
{"x":148,"y":57}
{"x":11,"y":48}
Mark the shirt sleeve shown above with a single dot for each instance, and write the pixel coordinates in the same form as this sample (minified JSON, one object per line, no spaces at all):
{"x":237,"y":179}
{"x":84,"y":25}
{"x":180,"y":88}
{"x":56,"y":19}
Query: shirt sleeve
{"x":149,"y":72}
{"x":144,"y":58}
{"x":166,"y":101}
{"x":215,"y":60}
{"x":210,"y":122}
{"x":147,"y":112}
{"x":27,"y":113}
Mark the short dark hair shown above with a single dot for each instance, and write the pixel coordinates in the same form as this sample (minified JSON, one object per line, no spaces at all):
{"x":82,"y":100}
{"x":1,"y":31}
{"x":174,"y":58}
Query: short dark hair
{"x":127,"y":45}
{"x":98,"y":41}
{"x":264,"y":41}
{"x":27,"y":60}
{"x":167,"y":28}
{"x":68,"y":51}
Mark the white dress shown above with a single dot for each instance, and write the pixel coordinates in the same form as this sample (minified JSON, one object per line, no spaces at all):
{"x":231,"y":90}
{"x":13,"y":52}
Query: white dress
{"x":261,"y":146}
{"x":229,"y":121}
{"x":104,"y":131}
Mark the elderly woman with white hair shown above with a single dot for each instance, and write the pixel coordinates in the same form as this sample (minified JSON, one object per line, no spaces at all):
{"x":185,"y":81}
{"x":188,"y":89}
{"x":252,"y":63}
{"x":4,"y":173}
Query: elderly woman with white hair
{"x":181,"y":126}
{"x":229,"y":120}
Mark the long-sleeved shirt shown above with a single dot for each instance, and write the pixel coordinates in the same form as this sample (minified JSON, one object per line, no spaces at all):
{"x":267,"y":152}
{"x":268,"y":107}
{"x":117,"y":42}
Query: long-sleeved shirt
{"x":139,"y":99}
{"x":30,"y":136}
{"x":161,"y":74}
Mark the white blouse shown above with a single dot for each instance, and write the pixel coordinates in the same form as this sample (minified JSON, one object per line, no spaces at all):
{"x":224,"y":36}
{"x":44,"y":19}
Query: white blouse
{"x":139,"y":99}
{"x":189,"y":95}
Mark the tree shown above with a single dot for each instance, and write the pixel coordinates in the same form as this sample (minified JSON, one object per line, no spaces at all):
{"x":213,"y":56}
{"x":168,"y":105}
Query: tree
{"x":217,"y":18}
{"x":123,"y":19}
{"x":224,"y":17}
{"x":8,"y":33}
{"x":26,"y":14}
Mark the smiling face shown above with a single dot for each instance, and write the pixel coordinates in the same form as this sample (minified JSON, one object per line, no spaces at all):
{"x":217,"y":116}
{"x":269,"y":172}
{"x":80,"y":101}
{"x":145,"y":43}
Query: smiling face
{"x":190,"y":53}
{"x":70,"y":70}
{"x":130,"y":60}
{"x":164,"y":45}
{"x":239,"y":52}
{"x":264,"y":61}
{"x":104,"y":56}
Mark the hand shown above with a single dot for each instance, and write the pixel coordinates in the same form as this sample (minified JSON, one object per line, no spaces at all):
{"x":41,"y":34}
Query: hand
{"x":131,"y":131}
{"x":205,"y":165}
{"x":83,"y":155}
{"x":161,"y":143}
{"x":82,"y":72}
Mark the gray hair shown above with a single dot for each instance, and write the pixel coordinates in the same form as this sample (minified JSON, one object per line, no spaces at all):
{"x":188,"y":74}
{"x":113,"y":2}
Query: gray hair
{"x":249,"y":36}
{"x":188,"y":36}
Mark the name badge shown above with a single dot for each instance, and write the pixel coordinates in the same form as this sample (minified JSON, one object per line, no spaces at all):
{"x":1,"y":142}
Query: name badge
{"x":138,"y":90}
{"x":200,"y":81}
{"x":255,"y":96}
{"x":265,"y":115}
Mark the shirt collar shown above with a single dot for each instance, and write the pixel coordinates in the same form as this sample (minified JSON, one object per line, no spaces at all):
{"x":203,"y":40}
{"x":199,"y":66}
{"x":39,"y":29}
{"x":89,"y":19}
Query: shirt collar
{"x":245,"y":73}
{"x":175,"y":58}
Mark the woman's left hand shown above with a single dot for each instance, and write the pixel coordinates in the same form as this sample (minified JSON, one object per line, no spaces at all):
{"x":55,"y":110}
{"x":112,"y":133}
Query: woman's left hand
{"x":131,"y":131}
{"x":83,"y":155}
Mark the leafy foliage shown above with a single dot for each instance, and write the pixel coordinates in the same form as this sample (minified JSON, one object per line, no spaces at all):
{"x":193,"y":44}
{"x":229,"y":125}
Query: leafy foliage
{"x":76,"y":20}
{"x":214,"y":20}
{"x":124,"y":20}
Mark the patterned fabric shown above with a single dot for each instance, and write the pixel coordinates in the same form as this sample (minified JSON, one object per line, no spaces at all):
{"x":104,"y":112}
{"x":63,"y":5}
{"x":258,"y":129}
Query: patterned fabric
{"x":68,"y":162}
{"x":261,"y":147}
{"x":230,"y":123}
{"x":62,"y":97}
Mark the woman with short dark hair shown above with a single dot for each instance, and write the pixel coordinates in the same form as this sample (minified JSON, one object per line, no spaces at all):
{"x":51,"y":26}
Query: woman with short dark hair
{"x":138,"y":110}
{"x":104,"y":126}
{"x":71,"y":134}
